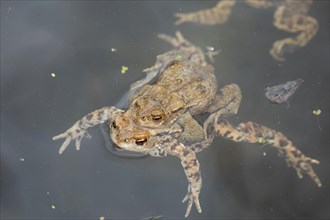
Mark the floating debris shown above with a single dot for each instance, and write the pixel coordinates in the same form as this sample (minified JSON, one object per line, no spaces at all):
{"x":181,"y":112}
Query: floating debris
{"x":264,"y":153}
{"x":317,"y":112}
{"x":281,"y":93}
{"x":22,"y":159}
{"x":102,"y":218}
{"x":261,"y":140}
{"x":124,"y":69}
{"x":211,"y":52}
{"x":53,"y":75}
{"x":209,"y":48}
{"x":114,"y":50}
{"x":153,"y":217}
{"x":53,"y":206}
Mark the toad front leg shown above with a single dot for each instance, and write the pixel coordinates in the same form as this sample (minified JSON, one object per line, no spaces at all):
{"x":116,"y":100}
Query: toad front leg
{"x":79,"y":129}
{"x":253,"y":133}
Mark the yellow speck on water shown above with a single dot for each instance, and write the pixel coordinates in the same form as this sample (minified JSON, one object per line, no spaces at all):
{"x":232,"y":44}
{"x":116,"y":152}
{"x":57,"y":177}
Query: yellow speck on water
{"x":261,"y":140}
{"x":317,"y":112}
{"x":124,"y":69}
{"x":101,"y":218}
{"x":53,"y":75}
{"x":178,"y":57}
{"x":53,"y":206}
{"x":113,"y":49}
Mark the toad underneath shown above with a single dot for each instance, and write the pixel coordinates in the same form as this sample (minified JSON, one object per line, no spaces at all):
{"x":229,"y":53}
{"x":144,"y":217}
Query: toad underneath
{"x":290,"y":16}
{"x":177,"y":110}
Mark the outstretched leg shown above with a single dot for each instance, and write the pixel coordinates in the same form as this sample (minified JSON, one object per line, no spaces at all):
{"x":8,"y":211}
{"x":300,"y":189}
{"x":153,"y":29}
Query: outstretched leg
{"x":254,"y":133}
{"x":262,"y":3}
{"x":79,"y":129}
{"x":169,"y":146}
{"x":292,"y":18}
{"x":191,"y":168}
{"x":219,"y":14}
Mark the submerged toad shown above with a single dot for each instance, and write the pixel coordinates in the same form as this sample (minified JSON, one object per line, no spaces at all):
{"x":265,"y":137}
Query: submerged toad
{"x":179,"y":114}
{"x":290,"y":16}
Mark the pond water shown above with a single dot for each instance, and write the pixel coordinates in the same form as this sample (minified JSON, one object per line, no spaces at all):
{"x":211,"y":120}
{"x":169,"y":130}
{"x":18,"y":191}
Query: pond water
{"x":63,"y":59}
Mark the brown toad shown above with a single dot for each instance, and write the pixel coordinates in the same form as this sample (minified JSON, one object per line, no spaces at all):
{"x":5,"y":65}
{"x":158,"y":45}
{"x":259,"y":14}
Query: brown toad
{"x":182,"y":86}
{"x":186,"y":84}
{"x":290,"y":16}
{"x":151,"y":125}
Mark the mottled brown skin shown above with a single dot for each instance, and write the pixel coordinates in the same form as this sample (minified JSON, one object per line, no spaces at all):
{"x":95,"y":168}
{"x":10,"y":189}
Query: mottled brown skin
{"x":251,"y":132}
{"x":79,"y":129}
{"x":182,"y":133}
{"x":185,"y":84}
{"x":182,"y":87}
{"x":290,"y":16}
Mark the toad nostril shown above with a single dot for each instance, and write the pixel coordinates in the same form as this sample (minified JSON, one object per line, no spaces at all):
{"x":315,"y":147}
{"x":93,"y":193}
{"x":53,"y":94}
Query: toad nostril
{"x":141,"y":141}
{"x":114,"y":125}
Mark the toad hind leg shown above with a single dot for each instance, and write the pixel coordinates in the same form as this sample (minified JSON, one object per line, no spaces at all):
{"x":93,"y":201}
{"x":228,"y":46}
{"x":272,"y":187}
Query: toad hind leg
{"x":79,"y":129}
{"x":219,"y":14}
{"x":191,"y":168}
{"x":293,"y":19}
{"x":226,"y":102}
{"x":252,"y":132}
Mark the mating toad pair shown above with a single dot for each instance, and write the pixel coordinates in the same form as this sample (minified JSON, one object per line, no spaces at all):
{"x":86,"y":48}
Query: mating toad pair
{"x":177,"y":110}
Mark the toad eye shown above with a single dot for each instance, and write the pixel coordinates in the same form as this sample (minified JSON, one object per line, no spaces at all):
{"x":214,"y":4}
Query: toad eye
{"x":157,"y":114}
{"x":141,"y":141}
{"x":141,"y":138}
{"x":156,"y":117}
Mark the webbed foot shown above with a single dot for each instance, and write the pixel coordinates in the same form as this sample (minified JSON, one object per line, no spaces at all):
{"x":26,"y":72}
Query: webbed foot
{"x":281,"y":47}
{"x":176,"y":41}
{"x":192,"y":197}
{"x":185,"y":17}
{"x":79,"y":130}
{"x":302,"y":164}
{"x":73,"y":133}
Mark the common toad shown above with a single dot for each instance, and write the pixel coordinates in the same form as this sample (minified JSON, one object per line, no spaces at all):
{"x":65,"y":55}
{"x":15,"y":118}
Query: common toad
{"x":290,"y":16}
{"x":151,"y":124}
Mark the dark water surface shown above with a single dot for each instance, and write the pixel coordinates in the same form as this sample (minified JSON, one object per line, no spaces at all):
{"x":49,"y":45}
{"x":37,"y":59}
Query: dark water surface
{"x":73,"y":40}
